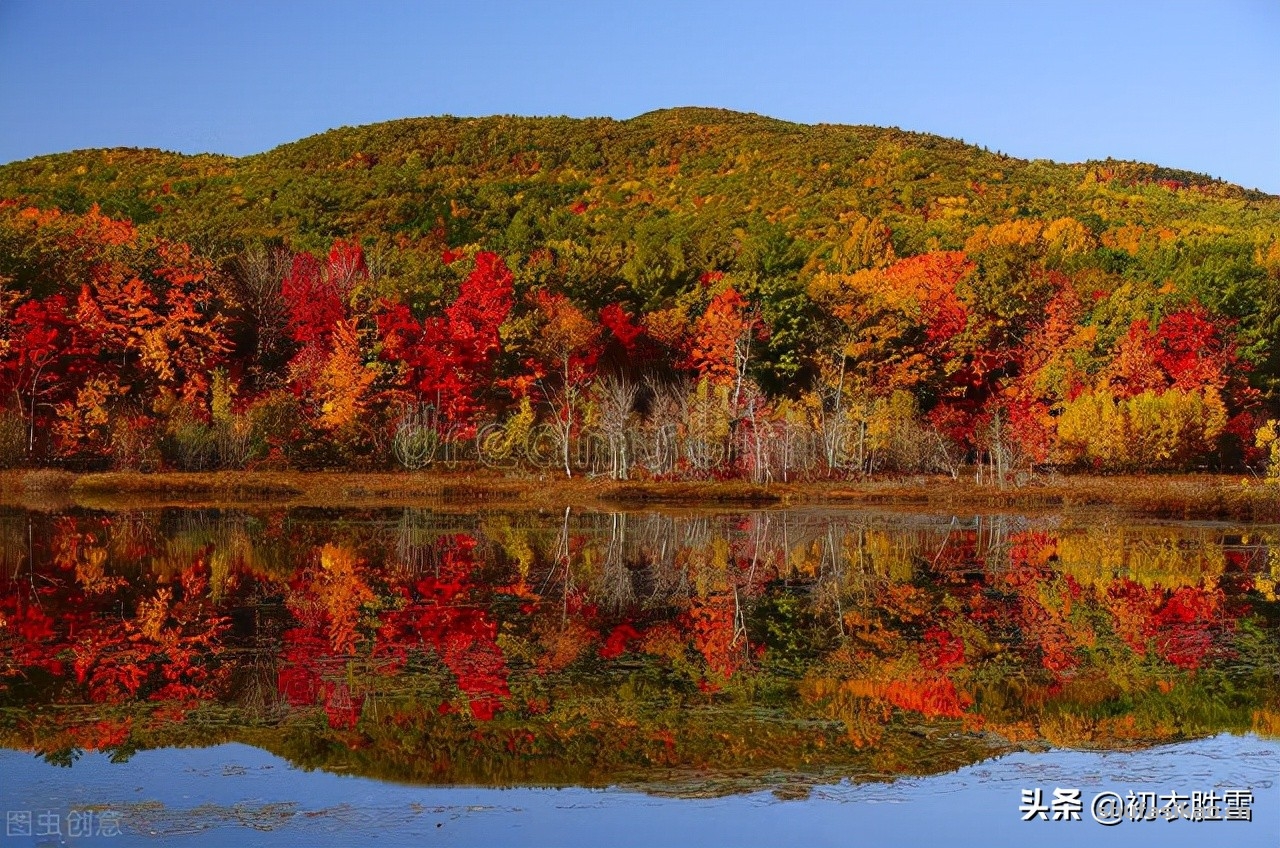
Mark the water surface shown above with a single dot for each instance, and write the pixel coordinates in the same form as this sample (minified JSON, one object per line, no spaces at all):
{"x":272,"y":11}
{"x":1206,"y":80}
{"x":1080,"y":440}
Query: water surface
{"x":539,"y":678}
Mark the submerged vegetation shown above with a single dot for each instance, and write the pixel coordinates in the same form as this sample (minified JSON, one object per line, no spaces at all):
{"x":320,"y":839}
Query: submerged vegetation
{"x":691,"y":294}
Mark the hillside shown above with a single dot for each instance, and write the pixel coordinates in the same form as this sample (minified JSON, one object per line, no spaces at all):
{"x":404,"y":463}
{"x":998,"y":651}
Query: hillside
{"x":862,"y":259}
{"x":689,"y":177}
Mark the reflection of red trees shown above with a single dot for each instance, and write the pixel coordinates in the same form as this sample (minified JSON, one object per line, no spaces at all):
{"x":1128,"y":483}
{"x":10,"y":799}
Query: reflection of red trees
{"x":618,"y":641}
{"x":341,"y":705}
{"x":312,"y":673}
{"x":933,"y":696}
{"x":712,"y":622}
{"x":299,"y":678}
{"x":563,"y":642}
{"x":32,"y":641}
{"x":932,"y":645}
{"x":167,"y":647}
{"x":166,"y":650}
{"x":326,"y":600}
{"x":943,"y":649}
{"x":1044,"y":600}
{"x":440,"y":613}
{"x":1183,"y":625}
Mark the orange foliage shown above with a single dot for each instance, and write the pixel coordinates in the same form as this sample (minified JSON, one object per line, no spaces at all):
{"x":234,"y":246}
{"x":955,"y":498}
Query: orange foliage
{"x":716,"y":349}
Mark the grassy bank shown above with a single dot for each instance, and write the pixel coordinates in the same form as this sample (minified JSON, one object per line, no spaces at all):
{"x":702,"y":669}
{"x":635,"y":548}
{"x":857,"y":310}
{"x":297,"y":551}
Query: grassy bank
{"x":1186,"y":496}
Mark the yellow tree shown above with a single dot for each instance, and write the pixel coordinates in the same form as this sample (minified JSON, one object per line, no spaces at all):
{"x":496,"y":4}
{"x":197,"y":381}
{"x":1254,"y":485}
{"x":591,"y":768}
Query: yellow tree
{"x":342,"y":390}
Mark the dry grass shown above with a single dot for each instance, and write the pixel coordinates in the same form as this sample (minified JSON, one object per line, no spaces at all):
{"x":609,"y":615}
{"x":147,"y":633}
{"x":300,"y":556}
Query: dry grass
{"x":1184,"y":497}
{"x":47,"y":481}
{"x":1208,"y":496}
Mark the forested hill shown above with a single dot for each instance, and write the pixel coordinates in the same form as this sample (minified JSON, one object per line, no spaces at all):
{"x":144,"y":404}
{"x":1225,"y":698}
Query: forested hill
{"x":851,"y":263}
{"x":657,"y":199}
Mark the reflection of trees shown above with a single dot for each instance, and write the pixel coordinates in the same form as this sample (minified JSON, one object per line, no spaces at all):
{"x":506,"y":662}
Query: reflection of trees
{"x":627,"y":641}
{"x":418,"y":534}
{"x":617,"y":586}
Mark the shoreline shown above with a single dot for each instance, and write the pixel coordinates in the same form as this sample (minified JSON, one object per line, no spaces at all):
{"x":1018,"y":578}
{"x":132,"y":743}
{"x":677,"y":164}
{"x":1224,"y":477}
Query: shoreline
{"x":1200,"y":496}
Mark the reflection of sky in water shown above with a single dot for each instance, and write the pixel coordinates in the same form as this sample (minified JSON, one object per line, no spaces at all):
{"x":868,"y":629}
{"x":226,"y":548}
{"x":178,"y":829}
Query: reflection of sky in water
{"x":234,"y":794}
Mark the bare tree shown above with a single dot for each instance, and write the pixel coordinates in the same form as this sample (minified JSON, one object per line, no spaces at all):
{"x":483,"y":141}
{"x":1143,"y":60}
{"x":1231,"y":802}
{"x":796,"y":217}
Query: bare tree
{"x":1005,"y":458}
{"x":668,"y":412}
{"x":617,"y":397}
{"x":256,"y":277}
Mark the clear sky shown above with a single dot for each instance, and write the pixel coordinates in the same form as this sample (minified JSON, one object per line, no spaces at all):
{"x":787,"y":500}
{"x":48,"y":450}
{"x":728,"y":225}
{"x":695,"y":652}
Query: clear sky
{"x":1188,"y":85}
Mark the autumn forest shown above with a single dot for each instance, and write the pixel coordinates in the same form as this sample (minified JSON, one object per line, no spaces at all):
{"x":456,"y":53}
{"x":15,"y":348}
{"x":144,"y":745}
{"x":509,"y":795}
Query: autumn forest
{"x":688,"y":294}
{"x":699,"y":455}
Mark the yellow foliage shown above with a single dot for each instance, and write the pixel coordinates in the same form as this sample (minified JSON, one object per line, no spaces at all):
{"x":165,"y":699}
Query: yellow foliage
{"x":889,"y":554}
{"x":710,"y":418}
{"x":153,"y":613}
{"x":1269,"y":581}
{"x":668,"y":326}
{"x":709,"y":567}
{"x":1268,"y":438}
{"x":855,"y":703}
{"x":1266,"y":723}
{"x":1269,"y":257}
{"x":887,"y":416}
{"x":868,"y":244}
{"x":1022,"y":232}
{"x":1096,"y":557}
{"x":220,"y":397}
{"x":85,"y":420}
{"x":345,"y":380}
{"x":1130,"y":238}
{"x":1152,"y":430}
{"x":342,"y":591}
{"x":499,"y":445}
{"x":154,"y":346}
{"x":1068,"y":237}
{"x":842,"y":294}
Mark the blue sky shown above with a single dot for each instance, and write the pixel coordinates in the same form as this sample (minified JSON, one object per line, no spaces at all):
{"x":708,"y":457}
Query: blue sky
{"x":1188,"y":85}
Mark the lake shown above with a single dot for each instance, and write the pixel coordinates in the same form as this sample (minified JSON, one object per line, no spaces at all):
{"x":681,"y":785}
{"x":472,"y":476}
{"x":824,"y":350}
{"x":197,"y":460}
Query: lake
{"x":458,"y":676}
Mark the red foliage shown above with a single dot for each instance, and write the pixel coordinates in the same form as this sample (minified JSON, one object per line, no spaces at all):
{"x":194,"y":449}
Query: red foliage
{"x":618,"y":641}
{"x":713,"y":622}
{"x":316,"y":294}
{"x":933,"y":696}
{"x":1188,"y":350}
{"x":449,"y":359}
{"x":715,"y":348}
{"x":943,"y":649}
{"x":438,"y":614}
{"x":313,"y":306}
{"x":930,"y":281}
{"x":1191,"y":350}
{"x":1184,"y":625}
{"x":621,"y":326}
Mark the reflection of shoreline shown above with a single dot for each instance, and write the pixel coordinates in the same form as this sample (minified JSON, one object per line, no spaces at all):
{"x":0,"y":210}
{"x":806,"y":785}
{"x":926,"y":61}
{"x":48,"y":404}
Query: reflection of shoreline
{"x":576,"y":648}
{"x":1207,"y":496}
{"x":243,"y":790}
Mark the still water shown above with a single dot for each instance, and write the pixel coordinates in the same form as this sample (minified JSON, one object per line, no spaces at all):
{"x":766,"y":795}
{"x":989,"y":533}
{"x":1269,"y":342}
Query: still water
{"x":301,"y":676}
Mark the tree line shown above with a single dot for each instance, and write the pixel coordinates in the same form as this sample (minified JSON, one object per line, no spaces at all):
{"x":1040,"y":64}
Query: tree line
{"x":121,"y":348}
